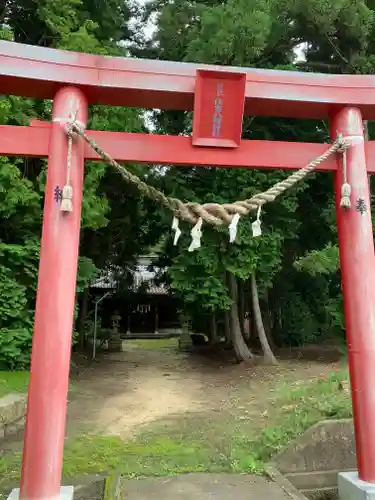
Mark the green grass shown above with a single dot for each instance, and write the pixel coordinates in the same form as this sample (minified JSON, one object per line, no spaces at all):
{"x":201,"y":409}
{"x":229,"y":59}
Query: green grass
{"x":154,"y":344}
{"x":299,"y":408}
{"x":212,"y":441}
{"x":13,"y":382}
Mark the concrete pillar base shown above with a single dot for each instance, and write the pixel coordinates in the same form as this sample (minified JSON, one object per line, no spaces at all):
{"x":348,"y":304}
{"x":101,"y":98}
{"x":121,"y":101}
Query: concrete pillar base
{"x":352,"y":488}
{"x":66,"y":493}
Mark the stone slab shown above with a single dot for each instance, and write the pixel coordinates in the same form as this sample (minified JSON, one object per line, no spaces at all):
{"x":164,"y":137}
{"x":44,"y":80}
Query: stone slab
{"x":292,"y":492}
{"x":352,"y":488}
{"x":66,"y":493}
{"x":327,"y":445}
{"x":12,"y":408}
{"x":202,"y":486}
{"x":314,"y":480}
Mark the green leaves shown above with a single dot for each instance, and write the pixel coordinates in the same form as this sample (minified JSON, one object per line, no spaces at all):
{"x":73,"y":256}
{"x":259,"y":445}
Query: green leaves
{"x":87,"y":271}
{"x":231,"y":33}
{"x":61,"y":18}
{"x":107,"y":224}
{"x":198,"y":277}
{"x":15,"y":324}
{"x":325,"y":261}
{"x":13,"y":297}
{"x":19,"y":202}
{"x":15,"y":347}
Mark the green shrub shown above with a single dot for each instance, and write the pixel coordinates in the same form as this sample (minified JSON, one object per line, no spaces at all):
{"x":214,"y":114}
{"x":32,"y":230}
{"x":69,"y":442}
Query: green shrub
{"x":15,"y":348}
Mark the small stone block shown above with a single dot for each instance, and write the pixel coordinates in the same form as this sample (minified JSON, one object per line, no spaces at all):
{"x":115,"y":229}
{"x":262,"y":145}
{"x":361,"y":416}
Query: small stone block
{"x":352,"y":488}
{"x":66,"y":493}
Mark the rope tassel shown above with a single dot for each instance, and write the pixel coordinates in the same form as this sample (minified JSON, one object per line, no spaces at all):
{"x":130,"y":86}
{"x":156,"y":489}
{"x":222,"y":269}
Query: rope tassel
{"x":67,"y":199}
{"x":67,"y":192}
{"x":346,"y":189}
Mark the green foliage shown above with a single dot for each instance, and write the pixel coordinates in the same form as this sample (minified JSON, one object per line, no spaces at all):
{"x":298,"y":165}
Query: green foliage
{"x":19,"y":254}
{"x":300,"y":326}
{"x":325,"y":261}
{"x":17,"y":296}
{"x":335,"y":309}
{"x":15,"y":347}
{"x":232,"y":32}
{"x":86,"y":273}
{"x":111,"y":210}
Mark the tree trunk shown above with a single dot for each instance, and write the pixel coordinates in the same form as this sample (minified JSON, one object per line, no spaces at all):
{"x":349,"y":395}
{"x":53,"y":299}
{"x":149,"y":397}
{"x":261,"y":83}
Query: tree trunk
{"x":228,"y":337}
{"x":267,"y":322}
{"x":248,"y":321}
{"x":83,"y":317}
{"x":268,"y":329}
{"x":213,"y":330}
{"x":240,"y":348}
{"x":241,"y":305}
{"x":267,"y":351}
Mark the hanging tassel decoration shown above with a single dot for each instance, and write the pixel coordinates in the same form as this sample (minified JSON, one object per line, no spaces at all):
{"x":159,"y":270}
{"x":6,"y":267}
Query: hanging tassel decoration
{"x":196,"y":234}
{"x":256,"y":226}
{"x":176,"y":229}
{"x":67,"y":199}
{"x":67,"y":192}
{"x":233,"y":228}
{"x":346,"y":189}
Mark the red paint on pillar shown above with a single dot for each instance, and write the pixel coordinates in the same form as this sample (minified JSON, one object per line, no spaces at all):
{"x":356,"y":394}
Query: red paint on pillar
{"x":49,"y":378}
{"x":358,"y":279}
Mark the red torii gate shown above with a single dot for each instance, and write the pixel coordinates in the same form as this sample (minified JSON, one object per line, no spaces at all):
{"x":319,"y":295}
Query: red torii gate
{"x":75,"y":80}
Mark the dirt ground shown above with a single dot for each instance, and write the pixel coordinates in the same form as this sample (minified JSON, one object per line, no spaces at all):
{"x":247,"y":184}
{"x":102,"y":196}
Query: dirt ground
{"x":121,"y":393}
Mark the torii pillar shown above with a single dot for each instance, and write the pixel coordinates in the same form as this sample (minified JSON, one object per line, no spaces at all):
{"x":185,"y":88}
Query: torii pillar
{"x":50,"y":360}
{"x":358,"y":281}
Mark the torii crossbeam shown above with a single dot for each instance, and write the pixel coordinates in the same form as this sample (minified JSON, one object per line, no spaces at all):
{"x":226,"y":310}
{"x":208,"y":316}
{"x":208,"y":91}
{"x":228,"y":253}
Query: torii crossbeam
{"x":219,"y":97}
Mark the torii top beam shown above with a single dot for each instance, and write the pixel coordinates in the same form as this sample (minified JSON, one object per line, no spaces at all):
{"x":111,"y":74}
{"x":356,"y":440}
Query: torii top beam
{"x":38,"y":72}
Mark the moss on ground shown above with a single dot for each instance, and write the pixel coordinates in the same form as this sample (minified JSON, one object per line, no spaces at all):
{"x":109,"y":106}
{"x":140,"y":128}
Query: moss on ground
{"x":154,"y":344}
{"x":13,"y":382}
